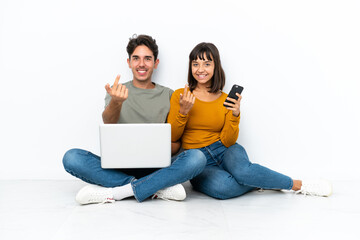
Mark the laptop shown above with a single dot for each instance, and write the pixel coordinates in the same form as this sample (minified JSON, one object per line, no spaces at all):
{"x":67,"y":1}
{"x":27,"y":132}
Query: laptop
{"x":135,"y":145}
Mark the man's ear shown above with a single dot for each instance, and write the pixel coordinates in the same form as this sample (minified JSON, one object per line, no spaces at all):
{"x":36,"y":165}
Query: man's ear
{"x":128,"y":61}
{"x":156,"y":63}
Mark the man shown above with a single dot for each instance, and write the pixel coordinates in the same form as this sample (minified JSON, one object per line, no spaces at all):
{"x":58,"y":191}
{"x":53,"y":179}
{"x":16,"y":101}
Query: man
{"x":136,"y":101}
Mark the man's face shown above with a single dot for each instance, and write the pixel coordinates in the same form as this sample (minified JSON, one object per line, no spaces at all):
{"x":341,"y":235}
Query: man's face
{"x":142,"y":63}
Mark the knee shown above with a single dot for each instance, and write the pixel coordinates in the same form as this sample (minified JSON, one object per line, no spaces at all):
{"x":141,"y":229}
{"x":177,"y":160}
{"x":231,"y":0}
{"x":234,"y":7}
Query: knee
{"x":192,"y":162}
{"x":70,"y":159}
{"x":236,"y":156}
{"x":221,"y":189}
{"x":235,"y":150}
{"x":223,"y":194}
{"x":196,"y":158}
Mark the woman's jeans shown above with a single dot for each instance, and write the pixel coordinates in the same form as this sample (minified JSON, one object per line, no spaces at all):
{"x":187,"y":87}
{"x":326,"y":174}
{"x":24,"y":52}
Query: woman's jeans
{"x":229,"y":173}
{"x":144,"y":182}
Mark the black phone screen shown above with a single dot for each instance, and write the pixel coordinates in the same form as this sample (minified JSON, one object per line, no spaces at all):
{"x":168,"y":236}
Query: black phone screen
{"x":232,"y":94}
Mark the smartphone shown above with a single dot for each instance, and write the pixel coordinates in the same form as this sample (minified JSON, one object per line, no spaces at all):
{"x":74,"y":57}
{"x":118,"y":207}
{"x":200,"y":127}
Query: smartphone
{"x":232,"y":94}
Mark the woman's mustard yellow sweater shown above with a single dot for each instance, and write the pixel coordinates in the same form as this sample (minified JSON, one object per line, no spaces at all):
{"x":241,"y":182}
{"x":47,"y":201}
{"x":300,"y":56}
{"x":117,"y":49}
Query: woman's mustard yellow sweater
{"x":206,"y":123}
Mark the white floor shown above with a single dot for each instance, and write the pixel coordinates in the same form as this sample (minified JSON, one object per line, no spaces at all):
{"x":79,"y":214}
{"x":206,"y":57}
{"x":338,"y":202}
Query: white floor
{"x":47,"y":210}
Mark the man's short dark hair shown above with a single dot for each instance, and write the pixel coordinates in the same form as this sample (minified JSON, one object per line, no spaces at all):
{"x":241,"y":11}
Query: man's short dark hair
{"x":138,"y":40}
{"x":211,"y":52}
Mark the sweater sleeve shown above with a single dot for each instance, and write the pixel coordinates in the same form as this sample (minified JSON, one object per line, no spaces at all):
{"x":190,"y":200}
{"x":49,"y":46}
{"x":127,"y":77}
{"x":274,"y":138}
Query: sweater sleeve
{"x":230,"y":131}
{"x":175,"y":118}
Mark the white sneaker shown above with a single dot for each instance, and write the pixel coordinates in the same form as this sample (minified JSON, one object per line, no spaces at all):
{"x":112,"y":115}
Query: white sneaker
{"x":322,"y":188}
{"x":94,"y":194}
{"x":176,"y":192}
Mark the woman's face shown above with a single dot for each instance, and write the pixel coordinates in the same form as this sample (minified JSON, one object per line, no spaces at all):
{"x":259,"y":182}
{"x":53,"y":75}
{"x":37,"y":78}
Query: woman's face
{"x":203,"y":70}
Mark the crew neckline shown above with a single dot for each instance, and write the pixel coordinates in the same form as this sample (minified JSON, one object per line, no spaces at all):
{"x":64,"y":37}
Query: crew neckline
{"x":132,"y":84}
{"x":222,"y":93}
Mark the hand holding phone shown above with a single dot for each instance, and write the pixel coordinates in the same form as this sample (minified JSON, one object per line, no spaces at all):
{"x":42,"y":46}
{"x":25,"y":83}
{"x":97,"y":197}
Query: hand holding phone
{"x":232,"y":94}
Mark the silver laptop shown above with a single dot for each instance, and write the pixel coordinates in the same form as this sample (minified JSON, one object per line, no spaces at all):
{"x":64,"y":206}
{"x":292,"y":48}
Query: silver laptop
{"x":135,"y":145}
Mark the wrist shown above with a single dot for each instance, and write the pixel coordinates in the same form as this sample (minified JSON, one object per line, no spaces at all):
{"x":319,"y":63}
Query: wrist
{"x":183,"y":112}
{"x":115,"y":104}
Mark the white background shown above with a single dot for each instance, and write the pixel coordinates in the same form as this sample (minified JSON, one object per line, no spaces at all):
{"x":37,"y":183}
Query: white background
{"x":297,"y":60}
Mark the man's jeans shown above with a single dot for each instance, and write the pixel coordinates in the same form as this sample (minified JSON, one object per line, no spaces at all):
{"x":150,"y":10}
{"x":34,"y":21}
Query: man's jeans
{"x":144,"y":182}
{"x":229,"y":173}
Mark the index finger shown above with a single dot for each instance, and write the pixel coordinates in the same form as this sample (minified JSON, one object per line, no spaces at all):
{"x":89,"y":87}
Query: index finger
{"x":107,"y":88}
{"x":231,"y":100}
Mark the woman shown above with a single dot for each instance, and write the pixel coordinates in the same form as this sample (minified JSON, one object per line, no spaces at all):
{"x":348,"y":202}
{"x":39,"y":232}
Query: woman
{"x":200,"y":120}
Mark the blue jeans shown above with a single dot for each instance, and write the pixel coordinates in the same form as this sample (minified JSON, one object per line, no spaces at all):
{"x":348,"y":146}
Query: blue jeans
{"x":145,"y":182}
{"x":229,"y":173}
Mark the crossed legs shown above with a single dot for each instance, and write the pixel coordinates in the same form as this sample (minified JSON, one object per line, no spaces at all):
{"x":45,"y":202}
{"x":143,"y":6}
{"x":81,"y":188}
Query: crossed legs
{"x":234,"y":175}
